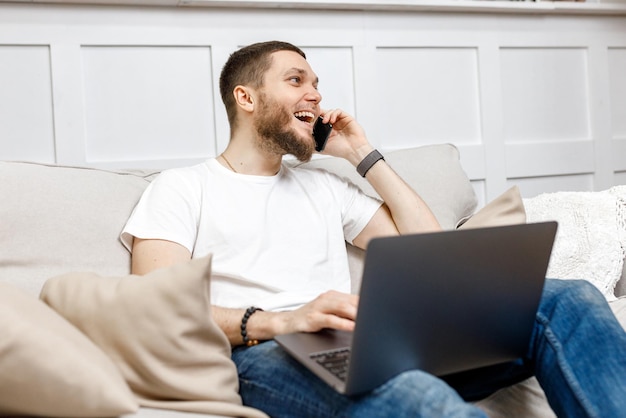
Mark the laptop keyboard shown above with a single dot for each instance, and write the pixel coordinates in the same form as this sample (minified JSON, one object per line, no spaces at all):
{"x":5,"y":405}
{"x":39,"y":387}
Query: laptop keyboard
{"x":335,"y":361}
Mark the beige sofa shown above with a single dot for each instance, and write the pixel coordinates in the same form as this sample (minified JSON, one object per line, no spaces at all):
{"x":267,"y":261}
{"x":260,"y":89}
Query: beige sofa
{"x":108,"y":344}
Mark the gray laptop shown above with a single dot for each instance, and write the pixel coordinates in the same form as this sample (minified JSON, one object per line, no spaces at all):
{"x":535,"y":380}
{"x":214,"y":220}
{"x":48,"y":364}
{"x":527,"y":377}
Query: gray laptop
{"x":441,"y":302}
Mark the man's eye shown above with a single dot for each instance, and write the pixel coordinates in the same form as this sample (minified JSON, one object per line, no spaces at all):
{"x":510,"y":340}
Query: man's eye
{"x":295,"y":79}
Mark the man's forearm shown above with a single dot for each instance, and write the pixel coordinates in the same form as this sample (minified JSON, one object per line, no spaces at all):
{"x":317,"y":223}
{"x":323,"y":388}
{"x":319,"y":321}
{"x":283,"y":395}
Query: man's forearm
{"x":329,"y":310}
{"x":408,"y":210}
{"x":260,"y":326}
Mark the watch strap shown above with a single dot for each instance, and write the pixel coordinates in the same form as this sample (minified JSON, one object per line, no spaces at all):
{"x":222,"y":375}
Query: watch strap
{"x":368,"y":162}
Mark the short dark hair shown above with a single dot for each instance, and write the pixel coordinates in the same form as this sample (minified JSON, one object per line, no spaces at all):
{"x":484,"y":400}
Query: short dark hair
{"x":247,"y":66}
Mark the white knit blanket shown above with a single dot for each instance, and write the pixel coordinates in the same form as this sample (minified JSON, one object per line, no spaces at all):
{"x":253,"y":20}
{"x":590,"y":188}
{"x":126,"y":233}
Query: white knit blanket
{"x":591,"y":239}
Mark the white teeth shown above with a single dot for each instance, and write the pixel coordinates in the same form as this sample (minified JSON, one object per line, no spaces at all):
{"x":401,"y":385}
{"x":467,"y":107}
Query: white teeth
{"x":305,"y":115}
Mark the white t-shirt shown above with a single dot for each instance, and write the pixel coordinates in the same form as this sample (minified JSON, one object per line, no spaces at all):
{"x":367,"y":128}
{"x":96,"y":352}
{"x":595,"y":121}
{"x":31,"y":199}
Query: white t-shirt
{"x":277,"y":241}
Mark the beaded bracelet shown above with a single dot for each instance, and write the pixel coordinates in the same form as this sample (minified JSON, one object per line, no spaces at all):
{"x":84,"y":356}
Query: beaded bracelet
{"x":244,"y":322}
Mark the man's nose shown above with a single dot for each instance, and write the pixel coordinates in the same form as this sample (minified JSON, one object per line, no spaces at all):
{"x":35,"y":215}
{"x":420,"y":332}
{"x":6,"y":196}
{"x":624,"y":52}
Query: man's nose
{"x":314,"y":95}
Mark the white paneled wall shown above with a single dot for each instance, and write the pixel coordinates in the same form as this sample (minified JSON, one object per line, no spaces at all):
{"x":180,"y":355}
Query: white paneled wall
{"x":537,"y":100}
{"x":26,"y":107}
{"x":172,"y":87}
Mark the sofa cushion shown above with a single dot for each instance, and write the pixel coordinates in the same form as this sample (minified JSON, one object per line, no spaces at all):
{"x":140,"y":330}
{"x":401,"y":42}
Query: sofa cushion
{"x":524,"y":399}
{"x":620,"y":287}
{"x":49,"y":368}
{"x":58,"y":219}
{"x":159,"y":331}
{"x":619,"y":309}
{"x":434,"y":171}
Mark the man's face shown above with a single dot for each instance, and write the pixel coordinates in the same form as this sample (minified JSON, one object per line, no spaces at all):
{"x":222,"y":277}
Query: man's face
{"x":287,"y":106}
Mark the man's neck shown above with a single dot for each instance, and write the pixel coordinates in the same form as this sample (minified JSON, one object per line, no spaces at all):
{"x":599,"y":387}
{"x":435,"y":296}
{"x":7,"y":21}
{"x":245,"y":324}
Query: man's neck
{"x":244,"y":156}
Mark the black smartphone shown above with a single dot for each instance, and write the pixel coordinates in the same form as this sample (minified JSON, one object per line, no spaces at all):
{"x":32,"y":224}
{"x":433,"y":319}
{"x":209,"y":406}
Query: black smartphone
{"x":321,"y":131}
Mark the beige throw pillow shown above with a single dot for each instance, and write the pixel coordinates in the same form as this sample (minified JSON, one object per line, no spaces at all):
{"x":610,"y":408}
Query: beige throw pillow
{"x":506,"y":209}
{"x":48,"y":368}
{"x":158,"y":329}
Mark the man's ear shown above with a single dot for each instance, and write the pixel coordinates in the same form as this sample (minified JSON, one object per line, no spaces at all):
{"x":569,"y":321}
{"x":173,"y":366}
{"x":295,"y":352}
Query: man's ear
{"x":244,"y":97}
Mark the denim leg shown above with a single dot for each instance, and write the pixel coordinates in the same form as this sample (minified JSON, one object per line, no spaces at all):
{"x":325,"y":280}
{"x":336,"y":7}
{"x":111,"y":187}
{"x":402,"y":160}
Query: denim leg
{"x":579,"y":350}
{"x":272,"y":381}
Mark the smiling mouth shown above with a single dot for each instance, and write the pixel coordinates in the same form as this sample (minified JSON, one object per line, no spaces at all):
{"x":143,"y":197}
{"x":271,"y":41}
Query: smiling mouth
{"x":306,"y":117}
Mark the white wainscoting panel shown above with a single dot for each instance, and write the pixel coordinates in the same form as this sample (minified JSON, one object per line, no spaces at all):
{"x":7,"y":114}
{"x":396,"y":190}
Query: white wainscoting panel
{"x":26,"y":115}
{"x":429,"y":95}
{"x":619,"y":155}
{"x":546,"y":116}
{"x":335,"y":68}
{"x":617,"y":75}
{"x":617,"y":72}
{"x":147,"y":103}
{"x":533,"y":186}
{"x":545,"y":94}
{"x":533,"y":99}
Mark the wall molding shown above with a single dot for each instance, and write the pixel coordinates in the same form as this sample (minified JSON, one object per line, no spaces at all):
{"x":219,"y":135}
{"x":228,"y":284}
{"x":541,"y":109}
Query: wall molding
{"x":538,"y":101}
{"x":451,"y":6}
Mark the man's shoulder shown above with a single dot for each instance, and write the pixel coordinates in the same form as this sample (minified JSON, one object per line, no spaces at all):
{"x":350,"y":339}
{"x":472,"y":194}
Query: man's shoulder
{"x":189,"y":173}
{"x":319,"y":173}
{"x":308,"y":170}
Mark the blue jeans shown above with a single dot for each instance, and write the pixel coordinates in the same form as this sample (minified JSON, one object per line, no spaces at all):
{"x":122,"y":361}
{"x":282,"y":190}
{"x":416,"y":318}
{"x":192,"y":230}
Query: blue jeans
{"x":577,"y":352}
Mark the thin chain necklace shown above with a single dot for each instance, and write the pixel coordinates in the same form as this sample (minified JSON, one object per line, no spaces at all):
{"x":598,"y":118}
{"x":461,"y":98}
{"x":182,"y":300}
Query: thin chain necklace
{"x":233,"y":168}
{"x":228,"y":162}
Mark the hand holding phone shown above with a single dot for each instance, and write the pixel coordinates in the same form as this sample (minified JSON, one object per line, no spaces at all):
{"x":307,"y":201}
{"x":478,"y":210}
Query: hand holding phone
{"x":321,"y":131}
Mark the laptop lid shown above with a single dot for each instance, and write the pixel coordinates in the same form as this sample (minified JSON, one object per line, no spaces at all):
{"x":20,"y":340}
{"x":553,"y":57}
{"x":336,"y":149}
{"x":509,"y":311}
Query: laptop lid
{"x":441,"y":302}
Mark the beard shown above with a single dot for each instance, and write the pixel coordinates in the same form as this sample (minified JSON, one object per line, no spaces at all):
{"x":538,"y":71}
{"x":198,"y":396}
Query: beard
{"x":275,"y":134}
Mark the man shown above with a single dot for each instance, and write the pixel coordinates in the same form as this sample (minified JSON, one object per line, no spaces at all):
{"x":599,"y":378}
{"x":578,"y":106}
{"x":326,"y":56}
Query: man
{"x":277,"y":236}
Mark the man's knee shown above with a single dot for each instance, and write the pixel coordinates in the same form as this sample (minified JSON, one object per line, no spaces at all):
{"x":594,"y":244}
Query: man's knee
{"x":416,"y":393}
{"x":411,"y":382}
{"x":572,"y":289}
{"x":571,"y":296}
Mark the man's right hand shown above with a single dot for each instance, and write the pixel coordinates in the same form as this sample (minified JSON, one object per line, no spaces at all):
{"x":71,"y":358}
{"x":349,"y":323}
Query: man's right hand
{"x":331,"y":309}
